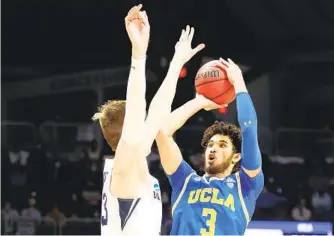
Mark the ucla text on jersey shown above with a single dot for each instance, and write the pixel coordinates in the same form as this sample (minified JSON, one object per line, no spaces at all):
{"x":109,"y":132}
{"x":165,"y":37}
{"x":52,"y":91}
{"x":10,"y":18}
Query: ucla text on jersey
{"x":212,"y":206}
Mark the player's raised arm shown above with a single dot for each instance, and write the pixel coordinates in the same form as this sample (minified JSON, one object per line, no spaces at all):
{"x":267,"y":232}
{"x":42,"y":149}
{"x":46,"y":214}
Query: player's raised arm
{"x":250,"y":152}
{"x":170,"y":154}
{"x":160,"y":106}
{"x":138,"y":29}
{"x":135,"y":110}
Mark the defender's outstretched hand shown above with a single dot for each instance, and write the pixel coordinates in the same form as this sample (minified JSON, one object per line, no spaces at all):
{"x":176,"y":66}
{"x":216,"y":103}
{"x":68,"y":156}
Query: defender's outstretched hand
{"x":183,"y":50}
{"x":207,"y":104}
{"x":138,"y":29}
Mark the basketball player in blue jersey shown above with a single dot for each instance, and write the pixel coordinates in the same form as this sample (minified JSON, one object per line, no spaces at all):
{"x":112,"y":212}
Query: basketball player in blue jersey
{"x":222,"y":201}
{"x":131,"y":201}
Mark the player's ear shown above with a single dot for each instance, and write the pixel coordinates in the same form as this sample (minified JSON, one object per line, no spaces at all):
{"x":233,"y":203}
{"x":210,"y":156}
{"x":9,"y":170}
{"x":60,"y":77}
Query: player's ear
{"x":236,"y":158}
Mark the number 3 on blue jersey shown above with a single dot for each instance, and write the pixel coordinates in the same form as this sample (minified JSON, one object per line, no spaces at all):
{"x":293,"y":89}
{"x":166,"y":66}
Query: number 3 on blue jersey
{"x":104,"y":213}
{"x":211,"y":215}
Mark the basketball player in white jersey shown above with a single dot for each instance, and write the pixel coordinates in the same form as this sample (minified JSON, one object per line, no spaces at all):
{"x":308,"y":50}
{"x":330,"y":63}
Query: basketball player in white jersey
{"x":131,"y":200}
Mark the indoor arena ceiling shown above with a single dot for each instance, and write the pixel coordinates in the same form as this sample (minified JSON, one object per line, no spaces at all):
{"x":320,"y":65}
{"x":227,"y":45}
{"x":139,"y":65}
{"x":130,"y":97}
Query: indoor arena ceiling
{"x":46,"y":37}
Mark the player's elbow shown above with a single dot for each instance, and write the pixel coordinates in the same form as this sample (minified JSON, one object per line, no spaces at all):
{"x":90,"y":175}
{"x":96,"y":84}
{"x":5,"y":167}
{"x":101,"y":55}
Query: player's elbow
{"x":165,"y":132}
{"x":161,"y":138}
{"x":253,"y":173}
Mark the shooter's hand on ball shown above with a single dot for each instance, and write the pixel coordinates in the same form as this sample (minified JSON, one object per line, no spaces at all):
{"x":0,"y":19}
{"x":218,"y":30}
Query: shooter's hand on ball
{"x":234,"y":74}
{"x":183,"y":50}
{"x":138,"y":29}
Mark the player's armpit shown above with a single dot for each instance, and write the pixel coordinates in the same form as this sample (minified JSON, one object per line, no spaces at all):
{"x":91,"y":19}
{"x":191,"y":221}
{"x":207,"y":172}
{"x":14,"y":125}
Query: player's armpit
{"x":251,"y":186}
{"x":175,"y":167}
{"x":126,"y":157}
{"x":178,"y":178}
{"x":129,"y":175}
{"x":252,"y":173}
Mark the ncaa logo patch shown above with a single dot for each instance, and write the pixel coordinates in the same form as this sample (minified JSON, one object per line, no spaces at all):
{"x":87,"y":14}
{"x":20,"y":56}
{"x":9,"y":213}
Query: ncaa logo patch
{"x":156,"y":192}
{"x":230,"y":182}
{"x":156,"y":187}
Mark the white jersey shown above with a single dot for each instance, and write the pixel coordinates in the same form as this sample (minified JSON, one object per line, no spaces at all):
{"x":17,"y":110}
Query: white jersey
{"x":144,"y":216}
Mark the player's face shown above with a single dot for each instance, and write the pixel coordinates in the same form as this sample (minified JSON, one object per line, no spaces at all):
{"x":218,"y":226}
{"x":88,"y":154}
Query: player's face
{"x":218,"y":154}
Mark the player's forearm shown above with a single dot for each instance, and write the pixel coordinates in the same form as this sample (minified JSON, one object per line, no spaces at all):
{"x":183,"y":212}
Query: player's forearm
{"x":246,"y":111}
{"x":179,"y":117}
{"x":251,"y":156}
{"x":135,"y":109}
{"x":162,"y":101}
{"x":160,"y":106}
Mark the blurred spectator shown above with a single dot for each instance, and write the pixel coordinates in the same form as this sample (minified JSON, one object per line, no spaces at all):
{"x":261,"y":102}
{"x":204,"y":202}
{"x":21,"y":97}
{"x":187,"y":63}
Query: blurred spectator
{"x":94,"y":151}
{"x":91,"y":191}
{"x":31,"y":217}
{"x":17,"y":170}
{"x":87,"y":132}
{"x":57,"y":216}
{"x":300,"y":212}
{"x":32,"y":212}
{"x":9,"y":216}
{"x":322,"y":204}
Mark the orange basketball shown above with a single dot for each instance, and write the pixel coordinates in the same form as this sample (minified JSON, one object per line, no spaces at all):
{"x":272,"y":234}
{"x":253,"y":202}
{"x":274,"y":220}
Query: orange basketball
{"x":211,"y":82}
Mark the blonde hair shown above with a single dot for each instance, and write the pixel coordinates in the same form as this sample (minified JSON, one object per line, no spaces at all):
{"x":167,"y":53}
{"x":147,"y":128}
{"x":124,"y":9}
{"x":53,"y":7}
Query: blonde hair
{"x":111,"y":116}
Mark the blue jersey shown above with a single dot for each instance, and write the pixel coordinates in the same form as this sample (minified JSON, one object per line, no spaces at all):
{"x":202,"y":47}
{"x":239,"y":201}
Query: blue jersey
{"x":212,"y":206}
{"x":203,"y":205}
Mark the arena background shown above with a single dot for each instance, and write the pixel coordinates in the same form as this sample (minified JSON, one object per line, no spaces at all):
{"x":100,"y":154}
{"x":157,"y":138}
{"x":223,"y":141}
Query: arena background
{"x":60,"y":59}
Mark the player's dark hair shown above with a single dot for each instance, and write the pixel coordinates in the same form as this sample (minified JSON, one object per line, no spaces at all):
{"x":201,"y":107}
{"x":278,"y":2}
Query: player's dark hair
{"x":227,"y":129}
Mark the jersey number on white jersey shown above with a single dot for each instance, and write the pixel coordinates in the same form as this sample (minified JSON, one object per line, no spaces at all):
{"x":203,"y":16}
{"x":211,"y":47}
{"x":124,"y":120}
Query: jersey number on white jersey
{"x":104,"y":213}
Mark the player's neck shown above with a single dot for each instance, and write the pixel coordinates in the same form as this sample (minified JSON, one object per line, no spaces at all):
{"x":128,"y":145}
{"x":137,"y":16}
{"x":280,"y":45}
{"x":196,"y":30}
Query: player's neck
{"x":222,"y":175}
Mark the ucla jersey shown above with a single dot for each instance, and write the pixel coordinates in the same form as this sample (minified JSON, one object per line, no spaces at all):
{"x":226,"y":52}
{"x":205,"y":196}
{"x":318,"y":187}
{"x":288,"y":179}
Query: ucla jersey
{"x":203,"y":205}
{"x":124,"y":217}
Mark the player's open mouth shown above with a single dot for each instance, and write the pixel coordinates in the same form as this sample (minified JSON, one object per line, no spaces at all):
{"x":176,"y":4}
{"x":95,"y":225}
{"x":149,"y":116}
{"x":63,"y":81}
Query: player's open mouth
{"x":212,"y":158}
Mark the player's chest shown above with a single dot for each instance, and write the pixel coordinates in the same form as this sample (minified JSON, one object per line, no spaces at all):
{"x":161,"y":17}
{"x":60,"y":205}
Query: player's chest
{"x":214,"y":192}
